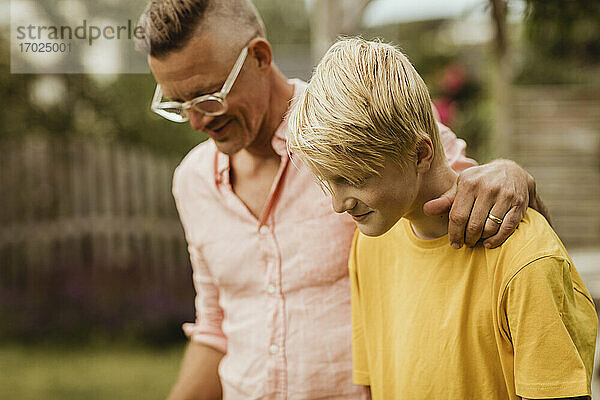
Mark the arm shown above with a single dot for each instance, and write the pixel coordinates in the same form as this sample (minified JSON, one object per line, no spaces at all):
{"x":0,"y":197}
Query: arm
{"x":500,"y":188}
{"x":198,"y":378}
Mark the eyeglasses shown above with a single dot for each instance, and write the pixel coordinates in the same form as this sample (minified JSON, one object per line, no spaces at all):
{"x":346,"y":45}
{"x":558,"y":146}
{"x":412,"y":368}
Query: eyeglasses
{"x":207,"y":104}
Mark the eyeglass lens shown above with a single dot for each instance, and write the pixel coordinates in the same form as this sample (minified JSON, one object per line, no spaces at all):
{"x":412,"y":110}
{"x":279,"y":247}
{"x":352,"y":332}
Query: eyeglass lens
{"x":210,"y":107}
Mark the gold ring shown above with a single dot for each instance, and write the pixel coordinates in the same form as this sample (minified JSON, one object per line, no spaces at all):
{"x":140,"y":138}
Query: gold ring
{"x":495,"y":219}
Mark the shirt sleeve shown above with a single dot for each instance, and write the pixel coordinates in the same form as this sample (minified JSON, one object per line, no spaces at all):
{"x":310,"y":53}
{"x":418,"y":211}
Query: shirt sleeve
{"x":552,"y":326}
{"x":360,"y":369}
{"x":454,"y":149}
{"x":209,"y":315}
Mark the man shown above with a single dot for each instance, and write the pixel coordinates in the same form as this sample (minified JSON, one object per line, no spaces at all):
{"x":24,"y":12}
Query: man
{"x":269,"y":255}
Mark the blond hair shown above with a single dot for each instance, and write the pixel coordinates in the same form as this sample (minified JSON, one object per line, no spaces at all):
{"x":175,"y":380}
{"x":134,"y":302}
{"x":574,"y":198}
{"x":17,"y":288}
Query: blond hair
{"x":364,"y":102}
{"x":169,"y":25}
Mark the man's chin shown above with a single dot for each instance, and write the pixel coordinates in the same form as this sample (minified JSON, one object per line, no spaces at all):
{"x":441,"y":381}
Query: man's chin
{"x":227,"y":147}
{"x":222,"y":134}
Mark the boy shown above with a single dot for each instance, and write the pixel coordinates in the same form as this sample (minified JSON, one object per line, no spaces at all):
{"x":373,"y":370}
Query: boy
{"x":429,"y":321}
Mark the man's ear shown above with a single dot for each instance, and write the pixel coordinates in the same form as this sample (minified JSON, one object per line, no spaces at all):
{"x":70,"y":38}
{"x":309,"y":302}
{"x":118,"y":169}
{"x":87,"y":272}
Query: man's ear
{"x":261,"y":51}
{"x":425,"y":154}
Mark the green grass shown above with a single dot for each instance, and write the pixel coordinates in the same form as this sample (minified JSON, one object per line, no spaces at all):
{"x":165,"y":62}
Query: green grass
{"x":92,"y":373}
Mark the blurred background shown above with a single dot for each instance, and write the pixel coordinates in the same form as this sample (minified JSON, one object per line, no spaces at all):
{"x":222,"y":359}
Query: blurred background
{"x":94,"y":276}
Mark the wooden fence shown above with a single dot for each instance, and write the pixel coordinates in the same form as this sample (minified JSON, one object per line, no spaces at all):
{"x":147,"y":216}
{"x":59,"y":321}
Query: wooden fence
{"x":78,"y":203}
{"x":556,"y":136}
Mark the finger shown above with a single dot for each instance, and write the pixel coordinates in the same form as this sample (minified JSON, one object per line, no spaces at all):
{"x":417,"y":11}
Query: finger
{"x":442,"y":204}
{"x":459,"y":215}
{"x":490,"y":228}
{"x":498,"y":210}
{"x":511,"y":220}
{"x":477,"y":220}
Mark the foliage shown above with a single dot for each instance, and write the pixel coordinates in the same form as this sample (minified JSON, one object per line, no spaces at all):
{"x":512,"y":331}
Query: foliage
{"x":117,"y":111}
{"x":112,"y":108}
{"x":565,"y":29}
{"x":286,"y":21}
{"x":75,"y":304}
{"x":562,"y":42}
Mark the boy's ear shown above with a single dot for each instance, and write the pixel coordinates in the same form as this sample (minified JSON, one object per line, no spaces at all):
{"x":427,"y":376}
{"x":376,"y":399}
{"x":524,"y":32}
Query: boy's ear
{"x":425,"y":155}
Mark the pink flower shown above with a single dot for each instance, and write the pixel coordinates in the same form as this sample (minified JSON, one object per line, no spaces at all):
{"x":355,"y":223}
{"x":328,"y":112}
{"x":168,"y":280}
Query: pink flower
{"x":453,"y":79}
{"x":446,"y":109}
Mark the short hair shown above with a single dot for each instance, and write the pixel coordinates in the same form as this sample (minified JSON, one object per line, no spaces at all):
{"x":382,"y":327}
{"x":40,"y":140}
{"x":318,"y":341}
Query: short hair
{"x":169,"y":25}
{"x":365,"y":102}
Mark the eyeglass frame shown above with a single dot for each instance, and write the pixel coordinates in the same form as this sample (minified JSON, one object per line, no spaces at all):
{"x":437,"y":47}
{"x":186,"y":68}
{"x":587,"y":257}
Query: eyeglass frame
{"x":159,"y":106}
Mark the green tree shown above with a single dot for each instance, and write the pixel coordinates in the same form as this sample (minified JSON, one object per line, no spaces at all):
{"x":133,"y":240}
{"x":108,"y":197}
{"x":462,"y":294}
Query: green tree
{"x":562,"y":42}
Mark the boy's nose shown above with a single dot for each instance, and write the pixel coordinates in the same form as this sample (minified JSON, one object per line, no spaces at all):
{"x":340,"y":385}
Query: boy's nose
{"x":342,"y":204}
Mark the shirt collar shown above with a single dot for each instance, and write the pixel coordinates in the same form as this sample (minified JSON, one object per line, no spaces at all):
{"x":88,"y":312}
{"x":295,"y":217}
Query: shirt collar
{"x":278,"y":141}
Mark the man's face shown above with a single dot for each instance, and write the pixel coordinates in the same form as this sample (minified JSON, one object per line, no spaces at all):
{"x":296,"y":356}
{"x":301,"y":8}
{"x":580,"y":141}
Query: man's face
{"x":201,"y":67}
{"x":378,"y":202}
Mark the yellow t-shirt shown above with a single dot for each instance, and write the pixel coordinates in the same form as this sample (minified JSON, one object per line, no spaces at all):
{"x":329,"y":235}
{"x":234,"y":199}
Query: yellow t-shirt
{"x":432,"y":322}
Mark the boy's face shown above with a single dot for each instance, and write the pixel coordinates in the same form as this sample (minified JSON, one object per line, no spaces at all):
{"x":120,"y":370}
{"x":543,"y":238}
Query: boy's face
{"x":380,"y":201}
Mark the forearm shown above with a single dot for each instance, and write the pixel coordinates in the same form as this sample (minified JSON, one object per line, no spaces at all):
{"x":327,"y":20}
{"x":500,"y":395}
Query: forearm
{"x":198,"y":378}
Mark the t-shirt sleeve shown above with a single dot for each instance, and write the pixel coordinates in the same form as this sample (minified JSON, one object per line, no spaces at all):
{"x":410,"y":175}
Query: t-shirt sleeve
{"x":552,"y":325}
{"x":360,"y":369}
{"x":454,"y":148}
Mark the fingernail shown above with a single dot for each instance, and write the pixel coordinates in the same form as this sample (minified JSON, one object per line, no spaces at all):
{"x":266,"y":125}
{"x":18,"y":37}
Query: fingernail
{"x":487,"y":245}
{"x":455,"y":245}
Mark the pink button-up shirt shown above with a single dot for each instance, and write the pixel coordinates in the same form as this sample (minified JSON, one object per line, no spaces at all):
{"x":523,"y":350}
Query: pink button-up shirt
{"x":273,"y":293}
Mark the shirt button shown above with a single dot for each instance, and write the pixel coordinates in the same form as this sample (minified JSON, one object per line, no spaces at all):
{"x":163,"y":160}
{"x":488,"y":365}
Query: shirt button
{"x":273,"y":349}
{"x":264,"y":229}
{"x":271,"y":289}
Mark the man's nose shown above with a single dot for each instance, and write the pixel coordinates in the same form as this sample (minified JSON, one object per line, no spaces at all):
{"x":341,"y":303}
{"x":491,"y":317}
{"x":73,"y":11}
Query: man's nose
{"x":342,"y":203}
{"x":198,"y":120}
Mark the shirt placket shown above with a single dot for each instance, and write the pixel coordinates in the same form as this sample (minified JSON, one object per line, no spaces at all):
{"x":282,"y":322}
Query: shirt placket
{"x":275,"y":351}
{"x":277,"y":370}
{"x":277,"y":364}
